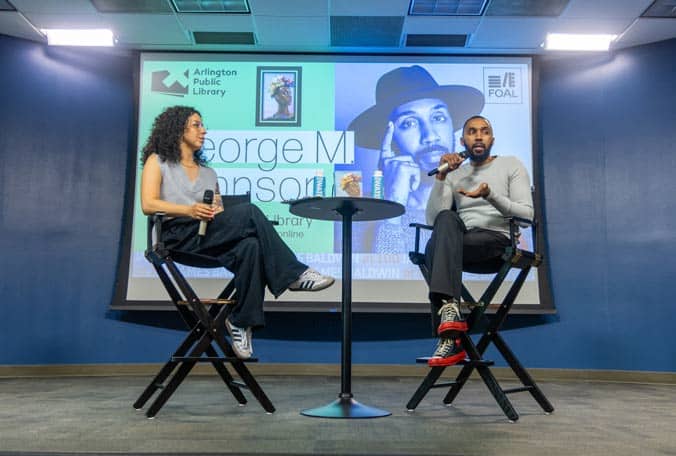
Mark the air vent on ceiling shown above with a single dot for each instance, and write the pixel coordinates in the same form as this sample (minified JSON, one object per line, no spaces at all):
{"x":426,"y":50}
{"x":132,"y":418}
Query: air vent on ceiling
{"x":661,"y":8}
{"x":526,"y":7}
{"x":212,"y":6}
{"x":413,"y":40}
{"x":446,"y":7}
{"x":357,"y":31}
{"x":224,"y":37}
{"x":6,"y":6}
{"x":133,"y":6}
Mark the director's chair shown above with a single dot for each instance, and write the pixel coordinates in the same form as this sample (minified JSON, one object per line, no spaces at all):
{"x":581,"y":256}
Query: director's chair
{"x":513,"y":257}
{"x":205,"y":319}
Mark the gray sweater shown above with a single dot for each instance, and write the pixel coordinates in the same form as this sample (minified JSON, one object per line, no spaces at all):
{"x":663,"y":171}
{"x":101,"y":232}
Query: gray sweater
{"x":510,"y":194}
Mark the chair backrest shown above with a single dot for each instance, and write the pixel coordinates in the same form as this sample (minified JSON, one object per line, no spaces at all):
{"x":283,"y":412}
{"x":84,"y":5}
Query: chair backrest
{"x":231,"y":200}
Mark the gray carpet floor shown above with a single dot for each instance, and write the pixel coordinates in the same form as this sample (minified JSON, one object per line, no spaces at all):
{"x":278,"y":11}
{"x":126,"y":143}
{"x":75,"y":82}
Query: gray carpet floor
{"x":95,"y":415}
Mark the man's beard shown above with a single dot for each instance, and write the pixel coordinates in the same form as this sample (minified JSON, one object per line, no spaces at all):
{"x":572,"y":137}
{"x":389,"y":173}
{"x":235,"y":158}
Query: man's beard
{"x":478,"y":159}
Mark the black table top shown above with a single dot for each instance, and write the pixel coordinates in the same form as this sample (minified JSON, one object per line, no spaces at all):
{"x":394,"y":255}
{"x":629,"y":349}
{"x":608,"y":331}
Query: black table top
{"x":363,"y":209}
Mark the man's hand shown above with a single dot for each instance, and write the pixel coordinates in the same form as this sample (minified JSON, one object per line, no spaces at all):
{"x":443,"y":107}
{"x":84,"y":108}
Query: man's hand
{"x":454,"y":161}
{"x":482,"y":191}
{"x":401,"y":174}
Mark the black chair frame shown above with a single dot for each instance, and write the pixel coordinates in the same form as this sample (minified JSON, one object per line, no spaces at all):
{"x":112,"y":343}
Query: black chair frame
{"x":513,"y":257}
{"x":205,"y":320}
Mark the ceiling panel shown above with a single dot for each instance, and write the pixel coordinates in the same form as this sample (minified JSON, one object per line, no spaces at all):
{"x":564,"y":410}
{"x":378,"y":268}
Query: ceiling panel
{"x":502,"y":32}
{"x":366,"y":31}
{"x":72,"y":20}
{"x":305,"y":32}
{"x":149,"y":29}
{"x":54,"y":7}
{"x":446,"y":24}
{"x":606,"y":9}
{"x":13,"y":24}
{"x":369,"y":7}
{"x":281,"y":8}
{"x":526,"y":8}
{"x":588,"y":25}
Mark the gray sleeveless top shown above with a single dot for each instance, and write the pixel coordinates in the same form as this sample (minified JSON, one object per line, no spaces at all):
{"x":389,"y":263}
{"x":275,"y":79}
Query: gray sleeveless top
{"x":177,"y":188}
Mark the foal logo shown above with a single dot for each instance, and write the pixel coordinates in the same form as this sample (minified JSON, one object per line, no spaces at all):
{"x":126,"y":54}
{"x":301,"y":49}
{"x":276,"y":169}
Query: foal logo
{"x":502,"y":85}
{"x":169,"y":84}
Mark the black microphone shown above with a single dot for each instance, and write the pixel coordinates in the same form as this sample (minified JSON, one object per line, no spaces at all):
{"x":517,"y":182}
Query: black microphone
{"x":444,"y":166}
{"x":207,"y":199}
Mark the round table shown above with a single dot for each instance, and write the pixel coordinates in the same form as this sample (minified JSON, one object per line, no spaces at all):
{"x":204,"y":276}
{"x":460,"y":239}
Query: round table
{"x":347,"y":210}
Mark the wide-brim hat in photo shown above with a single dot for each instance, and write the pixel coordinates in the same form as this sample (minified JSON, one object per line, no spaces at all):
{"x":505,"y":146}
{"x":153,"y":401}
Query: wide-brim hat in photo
{"x":406,"y":84}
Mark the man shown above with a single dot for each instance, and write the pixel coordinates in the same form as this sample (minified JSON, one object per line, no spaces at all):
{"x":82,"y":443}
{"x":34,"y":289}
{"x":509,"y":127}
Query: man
{"x":419,"y":118}
{"x":484,"y":191}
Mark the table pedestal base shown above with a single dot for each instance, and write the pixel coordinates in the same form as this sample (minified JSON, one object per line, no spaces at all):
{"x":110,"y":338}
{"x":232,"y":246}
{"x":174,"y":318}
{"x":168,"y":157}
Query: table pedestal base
{"x":345,"y":407}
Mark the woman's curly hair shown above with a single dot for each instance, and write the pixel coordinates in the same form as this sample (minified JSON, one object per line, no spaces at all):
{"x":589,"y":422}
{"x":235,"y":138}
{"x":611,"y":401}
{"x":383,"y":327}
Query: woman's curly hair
{"x":165,"y":137}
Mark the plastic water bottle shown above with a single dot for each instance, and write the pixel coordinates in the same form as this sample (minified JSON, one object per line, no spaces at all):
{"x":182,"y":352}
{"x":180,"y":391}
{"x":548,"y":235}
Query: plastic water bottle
{"x":377,"y":185}
{"x":318,"y":183}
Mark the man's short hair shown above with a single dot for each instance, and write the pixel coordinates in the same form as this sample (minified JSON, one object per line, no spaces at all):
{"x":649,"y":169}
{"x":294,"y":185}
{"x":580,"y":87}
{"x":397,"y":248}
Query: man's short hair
{"x":476,"y":117}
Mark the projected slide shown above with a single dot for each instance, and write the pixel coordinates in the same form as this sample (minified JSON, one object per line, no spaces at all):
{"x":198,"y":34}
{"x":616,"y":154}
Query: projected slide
{"x":274,"y":123}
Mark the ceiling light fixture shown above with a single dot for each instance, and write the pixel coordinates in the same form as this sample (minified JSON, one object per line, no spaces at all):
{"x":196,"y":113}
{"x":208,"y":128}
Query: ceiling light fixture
{"x":79,"y":37}
{"x":578,"y":42}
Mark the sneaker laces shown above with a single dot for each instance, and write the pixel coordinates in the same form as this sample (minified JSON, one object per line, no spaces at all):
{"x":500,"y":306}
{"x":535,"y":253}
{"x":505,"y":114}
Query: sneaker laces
{"x":310,"y":274}
{"x":444,"y":348}
{"x":450,"y":311}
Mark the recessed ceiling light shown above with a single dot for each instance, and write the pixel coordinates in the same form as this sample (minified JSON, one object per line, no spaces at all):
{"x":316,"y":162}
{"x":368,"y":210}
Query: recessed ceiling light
{"x":79,"y":37}
{"x":211,"y":6}
{"x":578,"y":42}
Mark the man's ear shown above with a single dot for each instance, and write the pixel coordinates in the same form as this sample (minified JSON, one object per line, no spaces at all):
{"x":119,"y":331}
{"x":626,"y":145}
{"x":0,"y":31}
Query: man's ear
{"x":462,"y":141}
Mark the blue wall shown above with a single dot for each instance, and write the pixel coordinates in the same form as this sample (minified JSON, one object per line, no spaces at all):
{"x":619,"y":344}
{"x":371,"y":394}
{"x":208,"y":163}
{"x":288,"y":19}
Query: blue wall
{"x":607,"y":142}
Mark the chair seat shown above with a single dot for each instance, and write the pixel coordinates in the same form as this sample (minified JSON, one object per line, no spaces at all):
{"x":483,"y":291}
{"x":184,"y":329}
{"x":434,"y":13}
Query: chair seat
{"x":194,"y":259}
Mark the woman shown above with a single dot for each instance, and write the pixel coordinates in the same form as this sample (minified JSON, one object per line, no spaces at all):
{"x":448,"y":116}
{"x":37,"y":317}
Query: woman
{"x":174,"y":179}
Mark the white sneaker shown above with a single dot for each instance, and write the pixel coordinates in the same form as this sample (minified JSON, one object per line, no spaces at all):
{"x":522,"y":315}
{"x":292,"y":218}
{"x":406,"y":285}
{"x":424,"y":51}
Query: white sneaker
{"x":241,"y":340}
{"x":311,"y":280}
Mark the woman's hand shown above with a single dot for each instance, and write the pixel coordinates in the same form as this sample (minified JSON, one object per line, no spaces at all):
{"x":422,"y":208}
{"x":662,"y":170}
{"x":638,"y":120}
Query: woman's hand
{"x":202,"y":212}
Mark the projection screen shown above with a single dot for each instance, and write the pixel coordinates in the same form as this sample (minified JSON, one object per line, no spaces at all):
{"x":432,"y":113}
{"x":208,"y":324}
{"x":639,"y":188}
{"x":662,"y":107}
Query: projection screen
{"x":334,"y":123}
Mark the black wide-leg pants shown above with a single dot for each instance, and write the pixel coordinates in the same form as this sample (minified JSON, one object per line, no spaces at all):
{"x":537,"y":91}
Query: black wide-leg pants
{"x":247,"y":244}
{"x":453,"y":247}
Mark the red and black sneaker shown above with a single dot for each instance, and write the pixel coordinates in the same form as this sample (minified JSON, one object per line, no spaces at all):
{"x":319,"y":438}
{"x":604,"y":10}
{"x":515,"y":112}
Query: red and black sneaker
{"x":448,"y":353}
{"x":451,"y":320}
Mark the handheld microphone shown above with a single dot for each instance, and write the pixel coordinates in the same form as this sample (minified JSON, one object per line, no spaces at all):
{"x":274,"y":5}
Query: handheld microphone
{"x":207,"y":199}
{"x":444,"y":166}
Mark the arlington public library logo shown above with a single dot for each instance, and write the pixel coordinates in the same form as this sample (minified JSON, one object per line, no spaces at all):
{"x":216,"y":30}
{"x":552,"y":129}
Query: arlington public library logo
{"x":168,"y":83}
